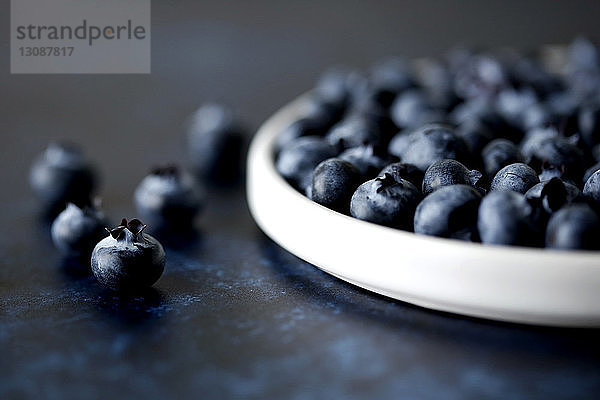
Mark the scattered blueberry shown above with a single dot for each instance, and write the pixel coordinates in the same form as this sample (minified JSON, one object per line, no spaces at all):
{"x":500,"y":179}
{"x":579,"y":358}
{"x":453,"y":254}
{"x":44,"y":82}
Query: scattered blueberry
{"x":518,"y":177}
{"x":168,"y":198}
{"x":215,"y":144}
{"x":76,"y":230}
{"x":450,"y":211}
{"x":333,"y":183}
{"x":128,"y":259}
{"x":60,"y":175}
{"x":386,"y":201}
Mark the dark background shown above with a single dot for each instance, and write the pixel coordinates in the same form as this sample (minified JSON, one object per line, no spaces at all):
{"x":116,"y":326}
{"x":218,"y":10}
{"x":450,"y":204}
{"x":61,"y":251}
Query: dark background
{"x":235,"y":316}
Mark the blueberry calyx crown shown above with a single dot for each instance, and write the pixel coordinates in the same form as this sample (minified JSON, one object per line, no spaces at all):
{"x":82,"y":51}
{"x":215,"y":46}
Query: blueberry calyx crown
{"x":135,"y":227}
{"x":385,"y":181}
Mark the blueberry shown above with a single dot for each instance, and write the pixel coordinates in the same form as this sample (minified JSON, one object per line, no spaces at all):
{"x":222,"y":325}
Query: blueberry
{"x":393,"y":75}
{"x":511,"y":104}
{"x":387,"y":79}
{"x":475,"y":134}
{"x":369,"y":160}
{"x":400,"y":170}
{"x":386,"y":201}
{"x":591,"y":189}
{"x":479,"y":76}
{"x":553,"y":194}
{"x":297,"y":160}
{"x":499,"y":153}
{"x":77,"y":229}
{"x":449,"y":172}
{"x":533,"y":138}
{"x":517,"y":177}
{"x":215,"y":144}
{"x":559,"y":152}
{"x":574,"y":227}
{"x":338,"y":84}
{"x":435,"y":78}
{"x":484,"y":111}
{"x":412,"y":109}
{"x":169,"y":198}
{"x":333,"y":183}
{"x":506,"y":217}
{"x":354,"y":131}
{"x":128,"y":259}
{"x":590,"y":171}
{"x":450,"y":211}
{"x":429,"y":144}
{"x":60,"y":175}
{"x":589,"y":124}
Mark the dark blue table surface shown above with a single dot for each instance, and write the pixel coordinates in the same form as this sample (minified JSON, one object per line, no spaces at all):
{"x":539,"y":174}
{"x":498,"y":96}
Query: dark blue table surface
{"x":235,"y":316}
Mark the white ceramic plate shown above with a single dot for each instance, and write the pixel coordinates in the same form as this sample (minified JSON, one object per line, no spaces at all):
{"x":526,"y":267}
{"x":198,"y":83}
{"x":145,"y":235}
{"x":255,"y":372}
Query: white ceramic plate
{"x":535,"y":286}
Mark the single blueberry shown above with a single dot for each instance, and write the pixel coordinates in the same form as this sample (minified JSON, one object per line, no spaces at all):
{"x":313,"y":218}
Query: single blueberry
{"x":511,"y":104}
{"x":449,"y":172}
{"x":533,"y":138}
{"x":77,"y":229}
{"x":517,"y":177}
{"x":499,"y":153}
{"x":333,"y":184}
{"x":169,"y":198}
{"x":400,"y":170}
{"x":297,"y":160}
{"x":128,"y":258}
{"x":450,"y":211}
{"x":386,"y":201}
{"x":215,"y":144}
{"x":506,"y":217}
{"x":412,"y":109}
{"x":431,"y":143}
{"x":575,"y":226}
{"x":479,"y":76}
{"x":60,"y":175}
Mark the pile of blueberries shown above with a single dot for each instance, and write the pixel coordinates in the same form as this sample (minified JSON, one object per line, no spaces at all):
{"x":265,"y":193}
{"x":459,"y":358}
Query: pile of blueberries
{"x":492,"y":147}
{"x":126,"y":258}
